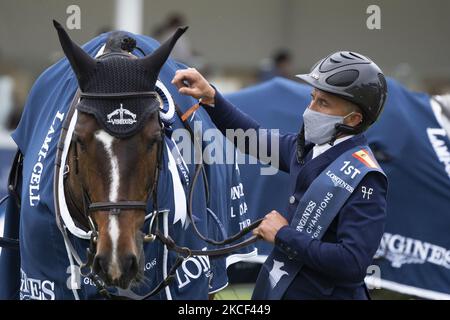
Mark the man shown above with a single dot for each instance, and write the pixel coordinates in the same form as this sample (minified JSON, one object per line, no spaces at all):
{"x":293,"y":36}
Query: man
{"x":335,"y":217}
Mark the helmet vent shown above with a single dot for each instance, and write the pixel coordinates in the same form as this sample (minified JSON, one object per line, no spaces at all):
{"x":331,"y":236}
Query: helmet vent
{"x":334,"y":61}
{"x":356,"y":56}
{"x":346,"y":56}
{"x":343,"y":78}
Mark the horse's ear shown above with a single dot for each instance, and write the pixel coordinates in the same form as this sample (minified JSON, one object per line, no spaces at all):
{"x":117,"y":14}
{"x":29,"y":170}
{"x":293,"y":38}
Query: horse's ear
{"x":154,"y":62}
{"x":81,"y":62}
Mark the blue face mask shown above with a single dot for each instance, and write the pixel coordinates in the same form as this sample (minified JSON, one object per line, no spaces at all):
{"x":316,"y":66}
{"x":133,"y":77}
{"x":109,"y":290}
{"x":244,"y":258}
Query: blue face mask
{"x":320,"y":127}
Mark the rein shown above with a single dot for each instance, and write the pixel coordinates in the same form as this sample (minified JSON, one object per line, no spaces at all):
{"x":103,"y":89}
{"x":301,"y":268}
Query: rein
{"x":199,"y":169}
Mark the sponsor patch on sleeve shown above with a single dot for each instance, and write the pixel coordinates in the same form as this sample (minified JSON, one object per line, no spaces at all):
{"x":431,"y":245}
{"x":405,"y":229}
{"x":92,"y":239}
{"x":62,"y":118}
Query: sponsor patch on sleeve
{"x":363,"y":156}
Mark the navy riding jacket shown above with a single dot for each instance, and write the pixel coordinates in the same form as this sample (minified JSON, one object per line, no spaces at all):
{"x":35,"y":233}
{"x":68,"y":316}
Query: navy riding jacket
{"x":335,"y":266}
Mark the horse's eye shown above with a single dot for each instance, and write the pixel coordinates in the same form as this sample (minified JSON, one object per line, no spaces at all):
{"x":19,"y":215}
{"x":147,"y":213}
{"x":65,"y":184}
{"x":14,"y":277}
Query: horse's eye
{"x":154,"y":140}
{"x":80,"y":142}
{"x":151,"y":144}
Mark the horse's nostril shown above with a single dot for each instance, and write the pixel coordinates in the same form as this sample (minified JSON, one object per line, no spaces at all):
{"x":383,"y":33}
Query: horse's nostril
{"x":100,"y":264}
{"x":129,"y":264}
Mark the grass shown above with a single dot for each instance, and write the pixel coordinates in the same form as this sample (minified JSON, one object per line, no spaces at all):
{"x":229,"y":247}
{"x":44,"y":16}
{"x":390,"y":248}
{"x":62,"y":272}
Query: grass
{"x":243,"y":291}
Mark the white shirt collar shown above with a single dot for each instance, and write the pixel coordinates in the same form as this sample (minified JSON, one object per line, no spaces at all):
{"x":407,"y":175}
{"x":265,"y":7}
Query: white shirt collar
{"x":319,"y":149}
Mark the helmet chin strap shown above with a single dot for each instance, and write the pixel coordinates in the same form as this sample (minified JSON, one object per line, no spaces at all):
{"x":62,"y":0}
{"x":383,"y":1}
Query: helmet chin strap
{"x":342,"y":128}
{"x":345,"y":129}
{"x":301,"y":145}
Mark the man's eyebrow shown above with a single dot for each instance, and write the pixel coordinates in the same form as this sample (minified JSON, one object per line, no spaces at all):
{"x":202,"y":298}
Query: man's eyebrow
{"x":319,"y":96}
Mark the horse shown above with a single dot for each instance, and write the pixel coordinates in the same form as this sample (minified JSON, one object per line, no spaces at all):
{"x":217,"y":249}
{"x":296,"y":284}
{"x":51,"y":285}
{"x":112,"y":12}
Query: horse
{"x":112,"y":166}
{"x":112,"y":160}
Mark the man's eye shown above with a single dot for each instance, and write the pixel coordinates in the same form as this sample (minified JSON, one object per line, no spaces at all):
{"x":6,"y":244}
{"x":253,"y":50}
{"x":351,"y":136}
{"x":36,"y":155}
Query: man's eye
{"x":323,"y":103}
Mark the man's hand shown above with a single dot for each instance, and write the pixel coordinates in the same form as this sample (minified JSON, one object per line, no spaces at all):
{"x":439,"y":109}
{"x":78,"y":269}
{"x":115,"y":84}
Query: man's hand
{"x":270,"y":225}
{"x":190,"y":82}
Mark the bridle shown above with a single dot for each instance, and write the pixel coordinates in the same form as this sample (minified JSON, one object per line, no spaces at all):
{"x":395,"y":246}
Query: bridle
{"x":113,"y":208}
{"x":154,"y":233}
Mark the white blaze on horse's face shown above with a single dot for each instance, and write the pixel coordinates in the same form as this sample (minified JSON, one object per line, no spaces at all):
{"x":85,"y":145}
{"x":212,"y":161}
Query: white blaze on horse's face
{"x":114,"y":231}
{"x":107,"y":140}
{"x":114,"y":177}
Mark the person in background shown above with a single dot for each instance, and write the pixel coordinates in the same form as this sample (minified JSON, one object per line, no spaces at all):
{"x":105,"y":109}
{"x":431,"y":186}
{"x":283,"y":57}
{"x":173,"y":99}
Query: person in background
{"x":183,"y":50}
{"x":279,"y":66}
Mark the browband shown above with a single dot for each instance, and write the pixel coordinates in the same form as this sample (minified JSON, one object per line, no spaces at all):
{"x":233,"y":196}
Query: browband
{"x":118,"y":95}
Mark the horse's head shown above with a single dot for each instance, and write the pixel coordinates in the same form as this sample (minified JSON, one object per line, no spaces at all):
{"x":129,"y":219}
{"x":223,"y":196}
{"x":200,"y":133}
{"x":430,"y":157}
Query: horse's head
{"x":115,"y":150}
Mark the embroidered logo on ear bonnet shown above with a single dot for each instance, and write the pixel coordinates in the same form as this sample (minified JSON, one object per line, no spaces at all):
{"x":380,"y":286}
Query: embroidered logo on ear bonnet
{"x":121,"y":120}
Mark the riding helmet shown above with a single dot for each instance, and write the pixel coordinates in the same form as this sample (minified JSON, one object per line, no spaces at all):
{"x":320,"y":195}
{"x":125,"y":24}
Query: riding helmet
{"x":353,"y":77}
